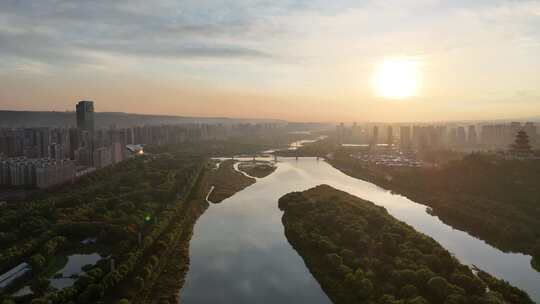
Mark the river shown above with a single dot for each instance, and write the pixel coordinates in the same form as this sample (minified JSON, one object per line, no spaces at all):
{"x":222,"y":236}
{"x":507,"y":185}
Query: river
{"x":239,"y":252}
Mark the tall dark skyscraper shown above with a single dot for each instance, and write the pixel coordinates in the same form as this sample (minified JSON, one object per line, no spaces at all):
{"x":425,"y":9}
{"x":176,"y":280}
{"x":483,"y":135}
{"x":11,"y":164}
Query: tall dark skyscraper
{"x":85,"y":116}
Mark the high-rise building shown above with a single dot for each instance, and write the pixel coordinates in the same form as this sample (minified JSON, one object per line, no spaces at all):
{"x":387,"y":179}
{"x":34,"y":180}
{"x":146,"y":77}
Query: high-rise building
{"x":85,"y":115}
{"x":74,"y":142}
{"x":461,"y":137}
{"x":83,"y":156}
{"x":405,"y":137}
{"x":472,"y":137}
{"x":424,"y":137}
{"x":42,"y":173}
{"x":375,"y":135}
{"x":102,"y":157}
{"x":389,"y":136}
{"x":117,"y":153}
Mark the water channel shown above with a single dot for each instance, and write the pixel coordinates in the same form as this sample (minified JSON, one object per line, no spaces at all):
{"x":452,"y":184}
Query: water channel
{"x":239,"y":253}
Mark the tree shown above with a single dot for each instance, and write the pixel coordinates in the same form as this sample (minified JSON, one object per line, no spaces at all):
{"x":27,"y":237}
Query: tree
{"x":334,"y":259}
{"x":471,"y":285}
{"x":403,"y":277}
{"x":37,"y":261}
{"x":388,"y":299}
{"x":455,"y":299}
{"x":408,"y":291}
{"x":422,"y":276}
{"x":438,"y":287}
{"x":365,"y":289}
{"x":139,"y":283}
{"x":389,"y":245}
{"x":418,"y":300}
{"x":536,"y":250}
{"x":40,"y":285}
{"x":92,"y":293}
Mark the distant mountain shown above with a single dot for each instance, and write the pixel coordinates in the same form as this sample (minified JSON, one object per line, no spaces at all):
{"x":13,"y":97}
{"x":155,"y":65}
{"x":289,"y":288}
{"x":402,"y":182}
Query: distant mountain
{"x":106,"y":119}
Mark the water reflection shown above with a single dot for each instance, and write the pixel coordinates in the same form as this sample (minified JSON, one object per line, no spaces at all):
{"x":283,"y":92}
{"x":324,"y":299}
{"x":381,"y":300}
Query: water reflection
{"x":239,"y":253}
{"x":73,"y":268}
{"x":297,"y":144}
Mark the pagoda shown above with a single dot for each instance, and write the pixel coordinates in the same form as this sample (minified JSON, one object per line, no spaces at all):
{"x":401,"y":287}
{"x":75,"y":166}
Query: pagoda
{"x":521,"y":144}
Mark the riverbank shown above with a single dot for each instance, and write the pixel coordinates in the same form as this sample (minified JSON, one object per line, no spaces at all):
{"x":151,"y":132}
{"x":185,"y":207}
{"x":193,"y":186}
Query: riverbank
{"x":257,"y":169}
{"x":360,"y":253}
{"x":493,"y":200}
{"x":134,"y":212}
{"x":169,"y":278}
{"x":227,"y":181}
{"x":215,"y":184}
{"x":143,"y":216}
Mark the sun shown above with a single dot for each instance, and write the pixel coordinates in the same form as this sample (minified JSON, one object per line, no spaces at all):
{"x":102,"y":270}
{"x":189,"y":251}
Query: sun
{"x":397,"y":78}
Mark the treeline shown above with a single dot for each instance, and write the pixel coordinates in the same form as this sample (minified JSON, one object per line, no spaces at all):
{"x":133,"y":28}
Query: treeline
{"x":494,"y":199}
{"x":259,"y":170}
{"x":169,"y":277}
{"x":214,"y":148}
{"x":320,"y":148}
{"x":361,"y":254}
{"x":246,"y":144}
{"x":143,"y":196}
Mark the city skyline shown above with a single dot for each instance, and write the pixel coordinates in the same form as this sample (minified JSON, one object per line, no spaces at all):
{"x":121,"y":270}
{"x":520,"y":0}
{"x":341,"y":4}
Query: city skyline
{"x":256,"y":151}
{"x":248,"y":119}
{"x":297,"y":61}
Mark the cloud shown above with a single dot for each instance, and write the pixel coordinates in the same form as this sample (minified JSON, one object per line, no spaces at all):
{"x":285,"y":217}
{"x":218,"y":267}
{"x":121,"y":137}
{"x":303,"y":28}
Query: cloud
{"x":57,"y":32}
{"x":66,"y":32}
{"x":183,"y":51}
{"x":319,"y":49}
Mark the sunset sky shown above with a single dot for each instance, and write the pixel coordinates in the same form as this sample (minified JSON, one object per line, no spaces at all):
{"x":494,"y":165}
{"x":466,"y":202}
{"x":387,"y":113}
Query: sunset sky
{"x":299,"y":60}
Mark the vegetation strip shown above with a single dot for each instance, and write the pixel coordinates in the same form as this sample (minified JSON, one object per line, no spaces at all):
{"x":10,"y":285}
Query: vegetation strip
{"x":227,"y":182}
{"x":132,"y":210}
{"x":492,"y":199}
{"x":361,"y":254}
{"x":167,"y":280}
{"x":257,"y":169}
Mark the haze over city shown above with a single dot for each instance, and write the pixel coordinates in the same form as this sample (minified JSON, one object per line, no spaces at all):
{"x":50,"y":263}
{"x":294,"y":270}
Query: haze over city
{"x":258,"y":151}
{"x":295,"y":60}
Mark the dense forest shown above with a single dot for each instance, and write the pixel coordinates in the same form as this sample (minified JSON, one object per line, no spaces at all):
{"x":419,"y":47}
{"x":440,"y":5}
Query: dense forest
{"x":246,"y":144}
{"x":494,"y":199}
{"x":361,"y":254}
{"x":136,"y":211}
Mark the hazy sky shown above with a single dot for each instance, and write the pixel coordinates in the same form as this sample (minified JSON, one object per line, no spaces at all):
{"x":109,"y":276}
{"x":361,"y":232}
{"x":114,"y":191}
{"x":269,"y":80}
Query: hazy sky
{"x":298,"y":60}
